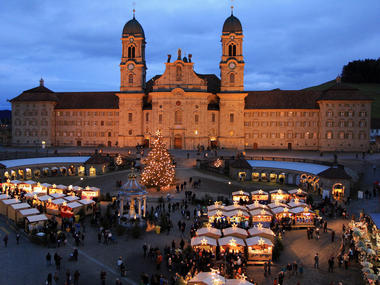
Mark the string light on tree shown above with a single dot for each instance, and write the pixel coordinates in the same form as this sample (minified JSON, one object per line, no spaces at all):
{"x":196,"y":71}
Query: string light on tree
{"x":159,"y":169}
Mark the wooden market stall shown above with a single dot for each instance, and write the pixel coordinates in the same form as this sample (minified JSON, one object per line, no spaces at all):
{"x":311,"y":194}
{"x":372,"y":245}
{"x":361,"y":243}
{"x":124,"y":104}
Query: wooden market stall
{"x":41,"y":188}
{"x":35,"y":222}
{"x":298,"y":193}
{"x":261,"y":231}
{"x":71,"y":198}
{"x":5,"y":203}
{"x":282,"y":214}
{"x":90,"y":192}
{"x":70,"y":209}
{"x":240,"y":196}
{"x":204,"y":243}
{"x":42,"y":200}
{"x":22,"y":214}
{"x":259,"y":249}
{"x":231,"y":244}
{"x":277,"y":204}
{"x":303,"y":217}
{"x":4,"y":196}
{"x":216,"y":216}
{"x":209,"y":231}
{"x":27,"y":185}
{"x":294,"y":203}
{"x":260,"y":196}
{"x":89,"y":206}
{"x":12,"y":210}
{"x":234,"y":207}
{"x":235,"y":231}
{"x":237,"y":217}
{"x":257,"y":205}
{"x":261,"y":216}
{"x":53,"y":207}
{"x":279,"y":195}
{"x":57,"y":195}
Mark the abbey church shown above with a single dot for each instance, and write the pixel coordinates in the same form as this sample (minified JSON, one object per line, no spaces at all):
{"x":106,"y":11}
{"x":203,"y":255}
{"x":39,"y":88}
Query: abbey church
{"x":192,"y":109}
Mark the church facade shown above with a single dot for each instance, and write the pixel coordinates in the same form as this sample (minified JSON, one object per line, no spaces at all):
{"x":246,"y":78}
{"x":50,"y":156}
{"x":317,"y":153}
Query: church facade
{"x":192,"y":109}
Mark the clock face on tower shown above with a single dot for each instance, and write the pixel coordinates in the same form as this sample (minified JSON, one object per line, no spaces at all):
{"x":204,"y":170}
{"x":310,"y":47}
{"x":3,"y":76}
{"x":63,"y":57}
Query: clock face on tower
{"x":131,"y":66}
{"x":131,"y":40}
{"x":232,"y":65}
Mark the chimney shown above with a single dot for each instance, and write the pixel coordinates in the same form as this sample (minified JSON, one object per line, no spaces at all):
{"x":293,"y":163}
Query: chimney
{"x":41,"y":82}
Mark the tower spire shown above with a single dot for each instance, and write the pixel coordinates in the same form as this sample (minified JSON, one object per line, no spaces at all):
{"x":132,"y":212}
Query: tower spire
{"x":134,"y":9}
{"x":232,"y":7}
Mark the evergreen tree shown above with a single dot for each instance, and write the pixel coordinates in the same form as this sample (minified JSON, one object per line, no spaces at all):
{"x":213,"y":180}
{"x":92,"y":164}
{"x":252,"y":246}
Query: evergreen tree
{"x":159,"y":169}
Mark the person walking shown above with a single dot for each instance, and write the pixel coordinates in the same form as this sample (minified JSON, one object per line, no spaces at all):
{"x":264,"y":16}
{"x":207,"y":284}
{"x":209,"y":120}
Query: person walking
{"x":48,"y":259}
{"x":49,"y":279}
{"x":76,"y":277}
{"x":332,"y":236}
{"x":18,"y":238}
{"x":56,"y":278}
{"x":316,"y":261}
{"x":145,"y":248}
{"x":5,"y":239}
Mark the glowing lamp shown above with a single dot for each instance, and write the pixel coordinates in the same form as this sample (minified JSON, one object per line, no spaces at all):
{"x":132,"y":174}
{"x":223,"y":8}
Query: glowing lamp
{"x":204,"y":241}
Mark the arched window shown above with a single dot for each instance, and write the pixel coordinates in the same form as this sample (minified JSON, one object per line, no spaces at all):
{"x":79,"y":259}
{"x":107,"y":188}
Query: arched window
{"x":178,"y":117}
{"x":232,"y":78}
{"x":131,"y":52}
{"x":232,"y":50}
{"x":147,"y":117}
{"x":196,"y":118}
{"x":130,"y":78}
{"x":179,"y":73}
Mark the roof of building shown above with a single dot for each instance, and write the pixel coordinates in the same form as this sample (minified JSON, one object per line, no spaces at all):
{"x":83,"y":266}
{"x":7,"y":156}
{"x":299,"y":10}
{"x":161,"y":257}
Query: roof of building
{"x":341,"y":91}
{"x":335,"y":172}
{"x":44,"y":160}
{"x":296,"y":166}
{"x":97,"y":158}
{"x":87,"y":100}
{"x":40,"y":93}
{"x":240,"y":164}
{"x":133,"y":28}
{"x":282,"y":99}
{"x":232,"y":25}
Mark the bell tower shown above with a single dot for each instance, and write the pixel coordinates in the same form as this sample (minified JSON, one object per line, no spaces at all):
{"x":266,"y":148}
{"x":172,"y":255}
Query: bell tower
{"x":133,"y":65}
{"x":232,"y":62}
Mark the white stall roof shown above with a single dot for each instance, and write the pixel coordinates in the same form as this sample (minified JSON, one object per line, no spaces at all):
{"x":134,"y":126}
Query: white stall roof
{"x":71,"y":198}
{"x":60,"y":186}
{"x":74,"y":205}
{"x":44,"y":198}
{"x":46,"y":185}
{"x":204,"y":240}
{"x":58,"y":201}
{"x":215,"y":207}
{"x":44,"y":160}
{"x":208,"y":230}
{"x":37,"y":218}
{"x":258,"y":240}
{"x":298,"y":191}
{"x":86,"y":201}
{"x":28,"y":212}
{"x":257,"y":231}
{"x":297,"y":166}
{"x":231,"y":231}
{"x":4,"y":196}
{"x":231,"y":240}
{"x":256,"y":206}
{"x":241,"y":192}
{"x":234,"y":207}
{"x":20,"y":206}
{"x":260,"y":212}
{"x":31,"y":182}
{"x":57,"y":195}
{"x":11,"y":201}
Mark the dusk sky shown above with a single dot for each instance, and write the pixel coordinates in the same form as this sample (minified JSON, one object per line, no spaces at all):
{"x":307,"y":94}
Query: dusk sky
{"x":75,"y":44}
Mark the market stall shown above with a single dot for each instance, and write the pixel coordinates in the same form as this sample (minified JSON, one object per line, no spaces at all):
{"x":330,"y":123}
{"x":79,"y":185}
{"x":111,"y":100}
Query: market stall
{"x":207,"y":278}
{"x":4,"y":204}
{"x":216,"y":206}
{"x":57,"y":195}
{"x":71,"y":198}
{"x":204,"y":243}
{"x":302,"y":217}
{"x":12,"y":210}
{"x":238,"y":217}
{"x":53,"y":206}
{"x":277,"y":204}
{"x":294,"y":203}
{"x":70,"y":209}
{"x":35,"y":222}
{"x":22,"y":214}
{"x":41,"y":188}
{"x":234,"y":207}
{"x":27,"y":185}
{"x":261,"y":231}
{"x":261,"y":216}
{"x":260,"y":196}
{"x":298,"y":194}
{"x":231,"y":244}
{"x":4,"y":196}
{"x":90,"y":192}
{"x":257,"y":205}
{"x":279,"y":195}
{"x":216,"y":216}
{"x":89,"y":206}
{"x":259,"y":249}
{"x":235,"y":231}
{"x":282,"y":214}
{"x":209,"y":231}
{"x":240,"y":196}
{"x":42,"y":200}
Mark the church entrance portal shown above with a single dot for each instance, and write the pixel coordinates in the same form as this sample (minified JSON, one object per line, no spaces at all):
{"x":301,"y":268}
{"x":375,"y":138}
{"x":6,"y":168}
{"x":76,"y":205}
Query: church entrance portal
{"x":178,"y":143}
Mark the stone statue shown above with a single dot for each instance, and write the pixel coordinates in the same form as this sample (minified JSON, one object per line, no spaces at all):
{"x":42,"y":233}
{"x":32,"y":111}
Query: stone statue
{"x":179,"y":54}
{"x":169,"y":57}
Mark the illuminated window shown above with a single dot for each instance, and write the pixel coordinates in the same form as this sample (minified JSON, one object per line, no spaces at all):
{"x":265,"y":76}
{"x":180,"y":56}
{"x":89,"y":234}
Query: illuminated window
{"x":329,"y":135}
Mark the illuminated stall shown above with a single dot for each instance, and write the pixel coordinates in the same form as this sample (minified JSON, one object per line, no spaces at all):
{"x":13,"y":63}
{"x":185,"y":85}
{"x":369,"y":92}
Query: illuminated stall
{"x":12,"y":210}
{"x":282,"y":214}
{"x":23,"y":213}
{"x":35,"y":222}
{"x":255,"y":176}
{"x":53,"y":206}
{"x":261,"y":196}
{"x":90,"y":192}
{"x":71,"y":198}
{"x":216,"y":216}
{"x":279,"y":195}
{"x":231,"y":244}
{"x":277,"y":204}
{"x":235,"y":206}
{"x":303,"y":217}
{"x":237,"y":216}
{"x":338,"y":191}
{"x":44,"y":187}
{"x":4,"y":204}
{"x":209,"y":231}
{"x":27,"y":185}
{"x":28,"y":173}
{"x":298,"y":193}
{"x":256,"y":205}
{"x":70,"y":209}
{"x":294,"y":203}
{"x":57,"y":195}
{"x":216,"y":206}
{"x":204,"y":243}
{"x":43,"y":200}
{"x":259,"y":230}
{"x":235,"y":231}
{"x":259,"y":249}
{"x":261,"y":216}
{"x":240,"y":196}
{"x":89,"y":206}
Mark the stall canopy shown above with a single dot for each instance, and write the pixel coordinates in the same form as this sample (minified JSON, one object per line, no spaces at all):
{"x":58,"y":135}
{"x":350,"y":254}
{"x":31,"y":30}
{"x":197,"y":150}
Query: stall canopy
{"x":209,"y":231}
{"x":44,"y":160}
{"x":297,"y":166}
{"x":58,"y":201}
{"x":57,"y":195}
{"x":279,"y":210}
{"x":207,"y":278}
{"x":37,"y":218}
{"x":203,"y":240}
{"x":231,"y":241}
{"x":300,"y":210}
{"x":215,"y":207}
{"x":276,"y":204}
{"x":71,"y":198}
{"x":236,"y":213}
{"x":234,"y":207}
{"x":86,"y":201}
{"x":29,"y":212}
{"x":257,"y":231}
{"x":257,"y":205}
{"x":297,"y":192}
{"x":258,"y":241}
{"x":235,"y":231}
{"x":260,"y":212}
{"x":4,"y":196}
{"x":20,"y":206}
{"x":11,"y":201}
{"x":296,"y":203}
{"x":45,"y":198}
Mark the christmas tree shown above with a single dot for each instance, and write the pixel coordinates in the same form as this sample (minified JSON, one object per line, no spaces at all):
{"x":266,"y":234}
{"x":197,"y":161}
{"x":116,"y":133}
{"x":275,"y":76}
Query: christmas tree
{"x":159,"y":169}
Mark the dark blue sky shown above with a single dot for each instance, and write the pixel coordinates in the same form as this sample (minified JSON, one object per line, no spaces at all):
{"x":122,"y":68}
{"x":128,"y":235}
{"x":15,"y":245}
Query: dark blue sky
{"x":75,"y":44}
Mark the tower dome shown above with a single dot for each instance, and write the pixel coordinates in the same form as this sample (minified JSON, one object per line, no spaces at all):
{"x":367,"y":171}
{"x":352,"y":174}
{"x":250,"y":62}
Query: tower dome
{"x":232,"y":25}
{"x":133,"y":28}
